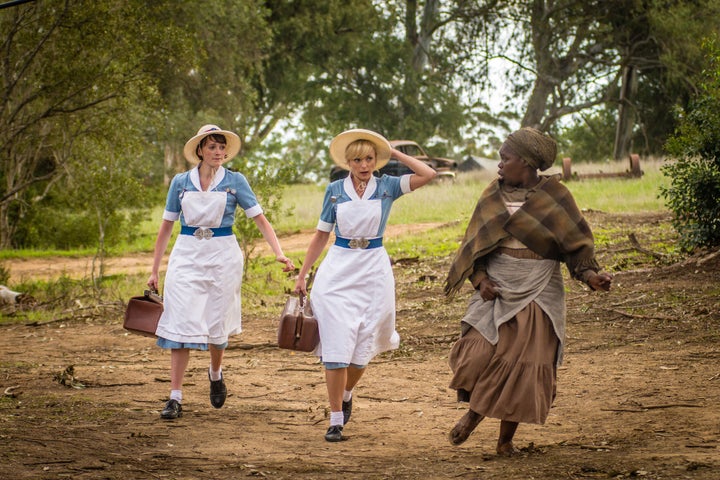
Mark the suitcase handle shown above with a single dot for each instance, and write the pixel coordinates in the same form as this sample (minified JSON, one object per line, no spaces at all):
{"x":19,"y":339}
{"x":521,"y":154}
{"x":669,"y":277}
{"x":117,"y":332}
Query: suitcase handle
{"x":153,"y":295}
{"x":301,"y":317}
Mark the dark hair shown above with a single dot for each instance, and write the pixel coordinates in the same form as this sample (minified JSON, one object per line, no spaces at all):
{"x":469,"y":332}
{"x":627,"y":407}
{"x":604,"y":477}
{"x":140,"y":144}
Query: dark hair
{"x":215,"y":137}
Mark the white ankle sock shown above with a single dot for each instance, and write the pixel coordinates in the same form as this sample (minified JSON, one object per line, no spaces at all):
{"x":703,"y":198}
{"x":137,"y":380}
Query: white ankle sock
{"x":347,"y":395}
{"x":336,"y":418}
{"x":176,"y":395}
{"x":215,"y":376}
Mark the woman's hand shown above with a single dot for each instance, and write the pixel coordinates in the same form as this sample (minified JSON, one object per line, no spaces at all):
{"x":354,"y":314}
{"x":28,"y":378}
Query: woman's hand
{"x":301,"y":285}
{"x":289,"y":265}
{"x":153,"y":282}
{"x":600,"y":281}
{"x":423,"y":173}
{"x":488,"y":289}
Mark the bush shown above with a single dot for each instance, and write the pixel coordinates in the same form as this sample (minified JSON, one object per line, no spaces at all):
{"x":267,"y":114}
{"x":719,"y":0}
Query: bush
{"x":694,"y":198}
{"x":694,"y":192}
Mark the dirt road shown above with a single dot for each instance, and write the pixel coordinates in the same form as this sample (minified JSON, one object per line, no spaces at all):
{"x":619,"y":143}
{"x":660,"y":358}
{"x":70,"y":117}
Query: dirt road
{"x":638,"y":393}
{"x":46,"y":268}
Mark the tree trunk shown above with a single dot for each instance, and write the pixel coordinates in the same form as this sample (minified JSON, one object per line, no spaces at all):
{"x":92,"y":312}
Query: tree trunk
{"x":174,"y":163}
{"x":5,"y":228}
{"x":422,"y":45}
{"x":544,"y":66}
{"x":537,"y":104}
{"x":626,"y":114}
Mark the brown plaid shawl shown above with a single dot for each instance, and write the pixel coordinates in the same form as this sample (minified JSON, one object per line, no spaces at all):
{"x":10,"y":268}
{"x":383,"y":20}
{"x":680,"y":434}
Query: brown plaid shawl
{"x":549,"y":223}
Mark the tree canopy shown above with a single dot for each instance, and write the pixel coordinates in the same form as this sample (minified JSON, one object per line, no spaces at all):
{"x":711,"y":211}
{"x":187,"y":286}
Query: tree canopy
{"x":102,"y":90}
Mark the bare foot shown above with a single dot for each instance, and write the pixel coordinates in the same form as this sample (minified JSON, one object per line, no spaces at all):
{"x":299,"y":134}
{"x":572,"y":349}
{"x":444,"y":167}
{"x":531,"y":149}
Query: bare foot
{"x":464,"y":427}
{"x":507,"y":450}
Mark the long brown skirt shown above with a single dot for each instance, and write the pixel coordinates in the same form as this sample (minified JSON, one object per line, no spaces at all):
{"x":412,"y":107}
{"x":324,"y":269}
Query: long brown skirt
{"x":514,"y":380}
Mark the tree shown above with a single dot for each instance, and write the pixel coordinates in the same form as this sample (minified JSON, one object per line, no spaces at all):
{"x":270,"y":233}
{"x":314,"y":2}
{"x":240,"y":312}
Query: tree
{"x":637,"y":57}
{"x":659,"y":44}
{"x":694,"y":191}
{"x":62,"y":71}
{"x":561,"y":57}
{"x":404,"y":79}
{"x":211,"y":81}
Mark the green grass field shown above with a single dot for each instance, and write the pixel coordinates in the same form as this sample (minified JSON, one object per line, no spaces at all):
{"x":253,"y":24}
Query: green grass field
{"x":449,"y":204}
{"x":443,"y":202}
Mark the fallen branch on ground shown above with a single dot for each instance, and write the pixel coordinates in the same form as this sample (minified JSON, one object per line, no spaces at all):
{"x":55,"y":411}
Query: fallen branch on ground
{"x":651,"y":407}
{"x":636,"y":245}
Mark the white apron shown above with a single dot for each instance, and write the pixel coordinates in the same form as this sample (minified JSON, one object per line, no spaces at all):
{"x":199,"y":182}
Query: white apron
{"x":204,"y":277}
{"x":353,"y":296}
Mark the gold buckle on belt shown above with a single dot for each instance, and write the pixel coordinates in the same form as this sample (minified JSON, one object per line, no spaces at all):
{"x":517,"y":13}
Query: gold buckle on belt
{"x":361,"y":243}
{"x":201,"y":233}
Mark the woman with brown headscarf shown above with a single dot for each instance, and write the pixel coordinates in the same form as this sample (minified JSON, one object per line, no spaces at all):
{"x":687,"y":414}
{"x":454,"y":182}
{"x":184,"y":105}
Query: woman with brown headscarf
{"x":524,"y":225}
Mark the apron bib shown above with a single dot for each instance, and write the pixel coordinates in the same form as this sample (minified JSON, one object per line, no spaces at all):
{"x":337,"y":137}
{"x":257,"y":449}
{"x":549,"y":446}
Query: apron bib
{"x":203,"y":209}
{"x":353,"y":296}
{"x":204,"y":277}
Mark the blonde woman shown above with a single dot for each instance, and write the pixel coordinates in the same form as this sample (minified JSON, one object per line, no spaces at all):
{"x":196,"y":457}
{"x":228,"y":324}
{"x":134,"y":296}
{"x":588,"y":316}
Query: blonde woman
{"x":354,"y":291}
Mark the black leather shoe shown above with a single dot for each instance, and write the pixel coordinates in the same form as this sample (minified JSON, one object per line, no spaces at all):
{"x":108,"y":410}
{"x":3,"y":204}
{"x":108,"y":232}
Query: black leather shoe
{"x":334,"y":433}
{"x":218,"y":391}
{"x":347,"y":410}
{"x":172,"y":410}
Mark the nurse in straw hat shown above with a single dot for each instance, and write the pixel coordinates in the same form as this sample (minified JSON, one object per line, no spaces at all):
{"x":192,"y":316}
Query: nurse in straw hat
{"x":353,"y":296}
{"x":205,"y":270}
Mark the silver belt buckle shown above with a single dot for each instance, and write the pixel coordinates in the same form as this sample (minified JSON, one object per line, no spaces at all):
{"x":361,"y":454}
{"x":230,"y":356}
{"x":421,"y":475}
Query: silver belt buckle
{"x":361,"y":243}
{"x":201,"y":233}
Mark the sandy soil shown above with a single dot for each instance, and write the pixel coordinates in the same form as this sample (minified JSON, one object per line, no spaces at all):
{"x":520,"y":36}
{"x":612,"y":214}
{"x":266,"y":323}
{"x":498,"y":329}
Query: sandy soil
{"x":638,"y":393}
{"x":82,"y":267}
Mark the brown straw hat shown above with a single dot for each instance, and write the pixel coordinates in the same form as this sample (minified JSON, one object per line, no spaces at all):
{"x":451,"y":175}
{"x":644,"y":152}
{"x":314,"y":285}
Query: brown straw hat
{"x":231,"y":150}
{"x":339,"y":144}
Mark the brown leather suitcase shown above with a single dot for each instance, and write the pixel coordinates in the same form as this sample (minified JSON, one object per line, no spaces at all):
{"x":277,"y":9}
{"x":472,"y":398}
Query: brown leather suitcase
{"x":143,"y":313}
{"x":298,"y":328}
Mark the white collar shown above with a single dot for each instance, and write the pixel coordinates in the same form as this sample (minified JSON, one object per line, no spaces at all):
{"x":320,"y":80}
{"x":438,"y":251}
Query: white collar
{"x":195,"y":178}
{"x":369,"y":190}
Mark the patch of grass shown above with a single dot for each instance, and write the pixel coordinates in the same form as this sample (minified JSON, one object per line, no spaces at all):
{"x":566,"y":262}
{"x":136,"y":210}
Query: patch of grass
{"x":437,"y":242}
{"x":438,"y":202}
{"x":72,"y":299}
{"x":620,"y":195}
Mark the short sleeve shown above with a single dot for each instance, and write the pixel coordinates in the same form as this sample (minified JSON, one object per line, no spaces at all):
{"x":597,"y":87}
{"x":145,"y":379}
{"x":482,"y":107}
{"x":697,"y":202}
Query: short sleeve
{"x":405,"y":184}
{"x":392,"y":186}
{"x":327,"y":215}
{"x":246,"y":197}
{"x":172,"y":203}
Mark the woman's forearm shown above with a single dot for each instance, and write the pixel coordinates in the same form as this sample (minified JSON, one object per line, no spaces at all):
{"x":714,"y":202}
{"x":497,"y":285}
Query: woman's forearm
{"x":161,"y":243}
{"x":423,"y":173}
{"x":316,"y":247}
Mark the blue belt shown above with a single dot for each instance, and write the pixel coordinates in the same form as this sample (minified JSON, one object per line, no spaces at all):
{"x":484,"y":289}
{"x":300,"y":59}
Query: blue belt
{"x":201,"y":232}
{"x":358,"y":242}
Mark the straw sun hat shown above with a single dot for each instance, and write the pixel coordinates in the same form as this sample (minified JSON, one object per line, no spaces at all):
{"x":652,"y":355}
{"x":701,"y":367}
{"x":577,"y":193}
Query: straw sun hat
{"x":231,"y":149}
{"x":339,"y":144}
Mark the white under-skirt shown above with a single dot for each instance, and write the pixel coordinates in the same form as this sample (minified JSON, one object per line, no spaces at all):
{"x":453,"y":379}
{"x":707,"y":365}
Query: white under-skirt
{"x":202,"y":290}
{"x":353,"y":299}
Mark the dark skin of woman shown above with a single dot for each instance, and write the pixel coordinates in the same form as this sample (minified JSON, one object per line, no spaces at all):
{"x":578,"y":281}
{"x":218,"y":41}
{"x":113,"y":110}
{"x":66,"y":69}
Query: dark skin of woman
{"x":514,"y":172}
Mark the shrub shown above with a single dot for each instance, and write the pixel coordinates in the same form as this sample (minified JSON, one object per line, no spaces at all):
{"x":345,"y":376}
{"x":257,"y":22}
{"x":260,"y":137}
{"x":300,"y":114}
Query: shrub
{"x":694,"y":191}
{"x":694,"y":197}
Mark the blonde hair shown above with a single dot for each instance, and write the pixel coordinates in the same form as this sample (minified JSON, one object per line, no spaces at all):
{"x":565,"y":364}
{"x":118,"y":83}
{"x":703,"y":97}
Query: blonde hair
{"x":359,"y":149}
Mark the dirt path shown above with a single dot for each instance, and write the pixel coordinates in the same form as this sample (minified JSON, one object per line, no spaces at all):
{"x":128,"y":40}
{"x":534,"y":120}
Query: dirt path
{"x":46,"y":268}
{"x":637,"y":396}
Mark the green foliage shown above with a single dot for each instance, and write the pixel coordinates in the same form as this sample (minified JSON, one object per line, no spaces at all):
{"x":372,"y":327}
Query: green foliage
{"x":267,"y":183}
{"x":80,"y":93}
{"x":591,"y":140}
{"x":694,"y":192}
{"x":694,"y":198}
